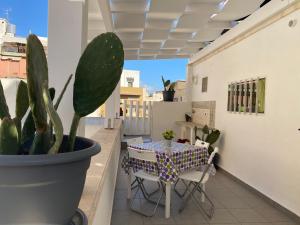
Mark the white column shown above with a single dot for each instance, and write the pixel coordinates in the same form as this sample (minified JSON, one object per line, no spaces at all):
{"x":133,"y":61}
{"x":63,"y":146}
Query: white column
{"x":189,"y":84}
{"x":67,"y":38}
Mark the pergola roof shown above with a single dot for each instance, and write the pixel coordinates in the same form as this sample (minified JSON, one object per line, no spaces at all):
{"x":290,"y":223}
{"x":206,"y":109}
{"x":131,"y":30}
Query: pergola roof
{"x":158,"y":29}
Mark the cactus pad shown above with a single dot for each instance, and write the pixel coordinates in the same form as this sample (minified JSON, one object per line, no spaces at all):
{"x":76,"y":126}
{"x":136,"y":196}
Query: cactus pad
{"x":98,"y":73}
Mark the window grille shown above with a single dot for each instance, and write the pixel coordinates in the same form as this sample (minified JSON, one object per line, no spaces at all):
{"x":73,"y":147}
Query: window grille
{"x":247,"y":96}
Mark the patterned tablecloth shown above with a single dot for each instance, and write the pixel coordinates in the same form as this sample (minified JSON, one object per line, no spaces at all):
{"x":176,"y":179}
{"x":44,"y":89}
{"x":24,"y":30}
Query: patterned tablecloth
{"x":170,"y":162}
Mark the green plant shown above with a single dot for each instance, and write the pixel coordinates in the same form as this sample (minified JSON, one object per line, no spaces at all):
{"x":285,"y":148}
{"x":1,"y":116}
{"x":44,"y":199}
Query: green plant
{"x":168,"y":134}
{"x":168,"y":86}
{"x":97,"y":74}
{"x":210,"y":136}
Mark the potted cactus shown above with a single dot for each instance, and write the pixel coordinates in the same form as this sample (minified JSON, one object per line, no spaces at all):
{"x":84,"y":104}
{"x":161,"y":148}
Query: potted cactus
{"x":42,"y":171}
{"x":168,"y":93}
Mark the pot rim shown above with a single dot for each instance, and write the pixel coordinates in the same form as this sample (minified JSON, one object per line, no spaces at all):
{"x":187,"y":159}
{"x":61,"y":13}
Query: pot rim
{"x":46,"y":159}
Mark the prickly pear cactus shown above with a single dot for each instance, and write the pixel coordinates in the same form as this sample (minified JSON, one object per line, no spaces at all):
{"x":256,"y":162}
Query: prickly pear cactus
{"x":22,"y":100}
{"x":28,"y":129}
{"x":4,"y":112}
{"x":57,"y":124}
{"x":98,"y":72}
{"x":9,"y":143}
{"x":37,"y":74}
{"x":52,"y":93}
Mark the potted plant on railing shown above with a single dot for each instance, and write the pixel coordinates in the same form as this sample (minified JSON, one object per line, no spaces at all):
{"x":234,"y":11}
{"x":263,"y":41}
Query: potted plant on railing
{"x":168,"y":93}
{"x":42,"y":173}
{"x":168,"y":136}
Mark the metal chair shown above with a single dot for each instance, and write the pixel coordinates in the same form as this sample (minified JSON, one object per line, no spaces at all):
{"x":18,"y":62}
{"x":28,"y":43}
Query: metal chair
{"x":134,"y":141}
{"x":198,"y":143}
{"x":197,"y":179}
{"x":140,"y":176}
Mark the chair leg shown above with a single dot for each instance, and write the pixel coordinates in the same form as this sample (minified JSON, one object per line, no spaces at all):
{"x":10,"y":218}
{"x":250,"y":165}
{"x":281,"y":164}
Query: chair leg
{"x":181,"y":195}
{"x":153,"y":192}
{"x":157,"y":203}
{"x":185,"y":201}
{"x":202,"y":193}
{"x":197,"y":187}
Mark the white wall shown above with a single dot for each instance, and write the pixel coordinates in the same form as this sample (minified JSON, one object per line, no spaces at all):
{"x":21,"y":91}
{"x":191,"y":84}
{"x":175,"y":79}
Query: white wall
{"x":164,"y":116}
{"x":262,"y":150}
{"x":135,"y":74}
{"x":67,"y":38}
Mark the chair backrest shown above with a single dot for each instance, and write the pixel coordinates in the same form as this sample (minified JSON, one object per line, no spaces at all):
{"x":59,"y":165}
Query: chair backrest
{"x":209,"y":163}
{"x":149,"y":156}
{"x":212,"y":155}
{"x":200,"y":143}
{"x":137,"y":140}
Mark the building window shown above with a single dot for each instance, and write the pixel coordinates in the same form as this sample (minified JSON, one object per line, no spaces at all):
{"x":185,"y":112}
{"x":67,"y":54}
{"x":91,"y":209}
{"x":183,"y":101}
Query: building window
{"x":204,"y":84}
{"x":130,"y":81}
{"x":247,"y":96}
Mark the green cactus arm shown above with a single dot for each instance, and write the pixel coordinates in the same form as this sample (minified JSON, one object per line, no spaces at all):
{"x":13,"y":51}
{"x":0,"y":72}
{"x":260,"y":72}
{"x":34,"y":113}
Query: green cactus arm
{"x":9,"y":143}
{"x":73,"y":132}
{"x":37,"y":74}
{"x":18,"y":125}
{"x":163,"y":81}
{"x":28,"y":129}
{"x":57,"y":124}
{"x":41,"y":143}
{"x":22,"y":100}
{"x":52,"y":93}
{"x":213,"y":137}
{"x":4,"y":112}
{"x":172,"y":86}
{"x":98,"y":73}
{"x":62,"y":92}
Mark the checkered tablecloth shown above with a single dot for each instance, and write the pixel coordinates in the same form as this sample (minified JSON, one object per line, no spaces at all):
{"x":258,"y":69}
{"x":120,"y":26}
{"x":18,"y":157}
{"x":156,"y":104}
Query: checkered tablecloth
{"x":181,"y":158}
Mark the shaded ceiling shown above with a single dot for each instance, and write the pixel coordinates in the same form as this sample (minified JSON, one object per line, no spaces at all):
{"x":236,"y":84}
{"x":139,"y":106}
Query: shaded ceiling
{"x":159,"y":29}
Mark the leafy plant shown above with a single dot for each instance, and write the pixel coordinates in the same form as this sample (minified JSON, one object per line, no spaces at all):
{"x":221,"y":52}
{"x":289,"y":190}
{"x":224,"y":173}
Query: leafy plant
{"x":168,"y":134}
{"x":168,"y":86}
{"x":97,"y":74}
{"x":210,"y":136}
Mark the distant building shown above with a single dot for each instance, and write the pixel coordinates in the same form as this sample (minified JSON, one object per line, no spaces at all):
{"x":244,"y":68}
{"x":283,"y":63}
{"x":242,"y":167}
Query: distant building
{"x":130,"y":86}
{"x":130,"y":90}
{"x":154,"y":97}
{"x":13,"y":51}
{"x":130,"y":78}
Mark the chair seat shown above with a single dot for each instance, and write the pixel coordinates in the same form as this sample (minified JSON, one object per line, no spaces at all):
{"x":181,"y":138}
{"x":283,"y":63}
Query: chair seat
{"x":143,"y":175}
{"x":194,"y":176}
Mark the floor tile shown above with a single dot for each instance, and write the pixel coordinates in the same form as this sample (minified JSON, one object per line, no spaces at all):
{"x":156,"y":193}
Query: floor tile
{"x":247,"y":215}
{"x":223,"y":216}
{"x":124,"y":218}
{"x":274,"y":215}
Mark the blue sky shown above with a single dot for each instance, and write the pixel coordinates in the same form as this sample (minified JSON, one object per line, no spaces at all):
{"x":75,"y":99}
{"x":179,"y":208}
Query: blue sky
{"x":32,"y":15}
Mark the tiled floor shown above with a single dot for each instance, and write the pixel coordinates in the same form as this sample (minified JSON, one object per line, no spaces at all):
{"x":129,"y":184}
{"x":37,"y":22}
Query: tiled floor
{"x":235,"y":205}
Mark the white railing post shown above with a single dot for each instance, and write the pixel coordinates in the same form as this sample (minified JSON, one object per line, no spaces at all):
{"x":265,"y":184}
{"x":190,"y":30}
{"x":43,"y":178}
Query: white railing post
{"x":130,"y":116}
{"x":143,"y":118}
{"x":137,"y":114}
